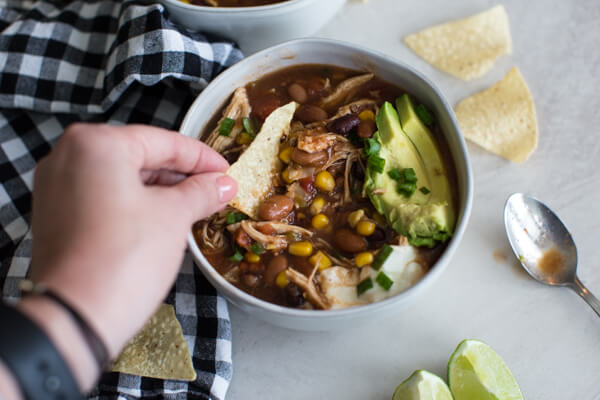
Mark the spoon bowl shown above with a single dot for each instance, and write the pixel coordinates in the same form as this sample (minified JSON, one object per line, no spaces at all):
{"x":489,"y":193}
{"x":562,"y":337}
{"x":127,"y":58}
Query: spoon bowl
{"x":543,"y":245}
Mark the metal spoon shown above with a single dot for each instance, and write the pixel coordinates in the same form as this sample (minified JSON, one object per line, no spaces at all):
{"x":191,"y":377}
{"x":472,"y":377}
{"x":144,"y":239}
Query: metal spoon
{"x":543,"y":245}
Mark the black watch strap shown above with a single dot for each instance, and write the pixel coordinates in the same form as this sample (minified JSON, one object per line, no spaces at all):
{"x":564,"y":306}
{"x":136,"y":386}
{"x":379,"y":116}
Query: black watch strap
{"x":33,"y":360}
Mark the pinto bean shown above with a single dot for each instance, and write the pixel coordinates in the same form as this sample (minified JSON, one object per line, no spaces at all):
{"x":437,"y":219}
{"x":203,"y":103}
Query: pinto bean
{"x":350,"y":242}
{"x":297,"y":93}
{"x":252,"y":268}
{"x":275,"y":207}
{"x":309,"y":113}
{"x":274,"y":267}
{"x":344,"y":124}
{"x":366,"y":129}
{"x":306,"y":159}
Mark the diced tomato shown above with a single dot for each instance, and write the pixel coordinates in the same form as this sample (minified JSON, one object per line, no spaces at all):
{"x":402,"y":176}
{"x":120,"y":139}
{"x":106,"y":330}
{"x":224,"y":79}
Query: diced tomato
{"x":242,"y":239}
{"x":308,"y":184}
{"x":263,"y":106}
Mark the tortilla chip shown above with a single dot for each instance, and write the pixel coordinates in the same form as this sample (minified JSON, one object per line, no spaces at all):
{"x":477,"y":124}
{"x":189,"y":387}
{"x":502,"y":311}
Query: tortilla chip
{"x":466,"y":48}
{"x":501,"y":119}
{"x":259,"y":164}
{"x":159,"y":350}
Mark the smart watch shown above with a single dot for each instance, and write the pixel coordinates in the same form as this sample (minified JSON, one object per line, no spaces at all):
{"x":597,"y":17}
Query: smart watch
{"x":33,"y":359}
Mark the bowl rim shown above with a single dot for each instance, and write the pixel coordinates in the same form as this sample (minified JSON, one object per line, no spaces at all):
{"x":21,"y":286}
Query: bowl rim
{"x":287,"y":5}
{"x":229,"y":290}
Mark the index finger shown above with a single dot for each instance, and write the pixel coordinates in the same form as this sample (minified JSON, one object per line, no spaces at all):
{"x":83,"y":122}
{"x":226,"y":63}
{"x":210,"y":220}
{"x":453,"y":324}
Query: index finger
{"x":157,"y":148}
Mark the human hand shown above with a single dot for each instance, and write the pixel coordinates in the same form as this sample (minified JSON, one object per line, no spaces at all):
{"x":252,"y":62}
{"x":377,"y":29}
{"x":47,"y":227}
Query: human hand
{"x":111,"y":210}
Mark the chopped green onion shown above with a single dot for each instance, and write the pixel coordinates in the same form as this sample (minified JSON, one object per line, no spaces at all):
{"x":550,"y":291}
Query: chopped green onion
{"x":226,"y":126}
{"x":409,"y":175}
{"x":372,"y":147}
{"x":235,"y":217}
{"x":395,"y":174}
{"x":424,"y":190}
{"x":407,"y":188}
{"x":377,"y":163}
{"x":380,"y":258}
{"x":364,"y":286}
{"x":257,"y":248}
{"x":237,"y":256}
{"x":424,"y":115}
{"x":384,"y":281}
{"x":249,"y":127}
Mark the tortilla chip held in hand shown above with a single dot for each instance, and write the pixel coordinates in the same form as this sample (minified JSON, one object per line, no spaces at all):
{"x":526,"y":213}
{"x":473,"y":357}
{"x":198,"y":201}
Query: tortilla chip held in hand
{"x":259,"y":164}
{"x":466,"y":48}
{"x":159,"y":350}
{"x":501,"y":119}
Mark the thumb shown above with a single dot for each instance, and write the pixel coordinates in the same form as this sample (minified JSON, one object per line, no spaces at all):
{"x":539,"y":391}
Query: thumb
{"x":204,"y":194}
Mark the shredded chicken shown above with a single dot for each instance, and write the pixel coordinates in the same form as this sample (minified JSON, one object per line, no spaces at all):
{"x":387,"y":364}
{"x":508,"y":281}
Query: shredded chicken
{"x":341,"y":151}
{"x":312,"y":144}
{"x":313,"y":294}
{"x":211,"y":231}
{"x":356,"y":106}
{"x":275,"y":242}
{"x":352,"y":157}
{"x":351,"y":108}
{"x":345,"y":90}
{"x":238,"y":108}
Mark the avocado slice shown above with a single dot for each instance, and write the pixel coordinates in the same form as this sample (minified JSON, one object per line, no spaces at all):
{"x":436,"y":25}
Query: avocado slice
{"x":425,"y":218}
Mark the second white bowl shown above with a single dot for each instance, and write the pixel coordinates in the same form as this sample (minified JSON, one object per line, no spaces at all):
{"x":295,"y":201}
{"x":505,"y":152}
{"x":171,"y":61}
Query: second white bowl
{"x":255,"y":28}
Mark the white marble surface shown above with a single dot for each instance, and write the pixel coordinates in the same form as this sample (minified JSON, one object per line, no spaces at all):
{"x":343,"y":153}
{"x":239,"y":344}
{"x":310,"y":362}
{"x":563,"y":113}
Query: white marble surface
{"x":548,"y":336}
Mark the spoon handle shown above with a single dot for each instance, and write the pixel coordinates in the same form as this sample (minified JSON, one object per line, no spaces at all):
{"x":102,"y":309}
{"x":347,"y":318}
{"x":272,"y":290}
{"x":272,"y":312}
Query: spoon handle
{"x":586,"y":295}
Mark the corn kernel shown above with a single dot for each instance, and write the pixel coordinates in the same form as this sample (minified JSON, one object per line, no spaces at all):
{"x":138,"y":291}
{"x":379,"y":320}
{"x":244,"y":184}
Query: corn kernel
{"x":365,"y":228}
{"x":243,"y":138}
{"x":366,"y":115}
{"x":317,"y":205}
{"x":324,"y":181}
{"x":378,"y":218}
{"x":286,"y":176}
{"x":185,"y":1}
{"x":252,"y":257}
{"x":364,"y":258}
{"x":320,"y":221}
{"x":303,"y":249}
{"x":355,"y":217}
{"x":286,"y":155}
{"x":320,"y":260}
{"x":282,"y":279}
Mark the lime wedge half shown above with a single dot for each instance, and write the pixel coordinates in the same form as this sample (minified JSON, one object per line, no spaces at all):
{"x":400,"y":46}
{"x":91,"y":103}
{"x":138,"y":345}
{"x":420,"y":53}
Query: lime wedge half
{"x":475,"y":371}
{"x":422,"y":385}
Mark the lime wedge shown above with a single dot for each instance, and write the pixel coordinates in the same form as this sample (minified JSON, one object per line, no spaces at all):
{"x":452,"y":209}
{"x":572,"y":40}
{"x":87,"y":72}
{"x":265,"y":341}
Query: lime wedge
{"x":422,"y":385}
{"x":475,"y":371}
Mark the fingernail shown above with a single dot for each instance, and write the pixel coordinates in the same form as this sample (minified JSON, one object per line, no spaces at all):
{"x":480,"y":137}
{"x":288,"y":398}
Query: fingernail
{"x":227,"y":188}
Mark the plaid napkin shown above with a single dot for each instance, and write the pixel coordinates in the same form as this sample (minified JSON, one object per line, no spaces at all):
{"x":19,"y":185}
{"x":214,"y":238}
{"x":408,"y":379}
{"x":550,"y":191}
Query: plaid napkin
{"x":105,"y":61}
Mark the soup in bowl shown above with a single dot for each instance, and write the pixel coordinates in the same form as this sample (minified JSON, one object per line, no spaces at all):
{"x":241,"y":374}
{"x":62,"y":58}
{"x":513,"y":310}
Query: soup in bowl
{"x":354,"y":184}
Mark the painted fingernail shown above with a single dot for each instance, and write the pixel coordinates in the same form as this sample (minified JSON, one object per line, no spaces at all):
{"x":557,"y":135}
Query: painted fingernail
{"x":227,"y":188}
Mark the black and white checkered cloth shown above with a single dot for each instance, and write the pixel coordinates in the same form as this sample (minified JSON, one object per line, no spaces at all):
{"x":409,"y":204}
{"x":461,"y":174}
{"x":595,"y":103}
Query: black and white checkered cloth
{"x":105,"y":61}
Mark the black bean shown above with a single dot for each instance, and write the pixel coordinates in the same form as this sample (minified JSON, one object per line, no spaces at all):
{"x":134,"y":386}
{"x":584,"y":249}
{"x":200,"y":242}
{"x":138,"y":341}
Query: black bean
{"x":344,"y":125}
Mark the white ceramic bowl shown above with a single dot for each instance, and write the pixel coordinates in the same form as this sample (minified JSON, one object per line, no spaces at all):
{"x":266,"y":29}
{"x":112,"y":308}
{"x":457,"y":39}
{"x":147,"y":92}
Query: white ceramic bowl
{"x":305,"y":51}
{"x":255,"y":28}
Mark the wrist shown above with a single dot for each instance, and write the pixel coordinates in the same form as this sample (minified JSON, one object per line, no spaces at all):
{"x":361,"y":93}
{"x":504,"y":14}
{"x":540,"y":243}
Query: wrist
{"x":63,"y":331}
{"x":9,"y":388}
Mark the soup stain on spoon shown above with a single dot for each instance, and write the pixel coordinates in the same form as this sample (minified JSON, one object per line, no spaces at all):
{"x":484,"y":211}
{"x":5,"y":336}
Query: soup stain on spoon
{"x":551,"y":262}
